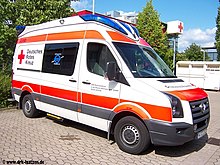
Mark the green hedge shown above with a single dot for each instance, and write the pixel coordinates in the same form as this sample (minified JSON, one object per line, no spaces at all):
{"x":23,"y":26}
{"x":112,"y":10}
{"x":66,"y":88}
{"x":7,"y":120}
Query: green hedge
{"x":5,"y":89}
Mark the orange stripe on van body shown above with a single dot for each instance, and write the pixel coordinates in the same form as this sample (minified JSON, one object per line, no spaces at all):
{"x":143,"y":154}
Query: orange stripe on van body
{"x":133,"y":109}
{"x":119,"y":37}
{"x":32,"y":39}
{"x":190,"y":94}
{"x":66,"y":35}
{"x":93,"y":34}
{"x":90,"y":34}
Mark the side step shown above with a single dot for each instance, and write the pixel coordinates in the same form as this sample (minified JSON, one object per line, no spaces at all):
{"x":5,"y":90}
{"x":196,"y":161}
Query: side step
{"x":51,"y":116}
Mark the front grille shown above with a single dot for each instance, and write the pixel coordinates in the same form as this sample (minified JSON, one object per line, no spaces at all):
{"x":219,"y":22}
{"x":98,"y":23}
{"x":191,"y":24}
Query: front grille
{"x":200,"y":113}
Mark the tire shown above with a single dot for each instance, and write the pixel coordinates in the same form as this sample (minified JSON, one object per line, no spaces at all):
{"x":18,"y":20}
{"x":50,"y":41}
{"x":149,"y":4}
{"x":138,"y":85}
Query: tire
{"x":28,"y":107}
{"x":131,"y":135}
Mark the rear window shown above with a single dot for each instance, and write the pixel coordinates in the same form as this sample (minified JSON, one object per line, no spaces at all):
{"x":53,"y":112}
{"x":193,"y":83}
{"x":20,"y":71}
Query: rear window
{"x":60,"y":58}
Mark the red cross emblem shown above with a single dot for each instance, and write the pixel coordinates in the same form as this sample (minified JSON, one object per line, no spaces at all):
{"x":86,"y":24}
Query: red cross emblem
{"x":21,"y":57}
{"x":180,"y":26}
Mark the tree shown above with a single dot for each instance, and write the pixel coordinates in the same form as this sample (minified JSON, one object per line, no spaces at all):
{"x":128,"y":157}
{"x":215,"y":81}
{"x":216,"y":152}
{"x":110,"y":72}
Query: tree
{"x":31,"y":12}
{"x":217,"y":34}
{"x":151,"y":30}
{"x":194,"y":53}
{"x":7,"y":35}
{"x":181,"y":57}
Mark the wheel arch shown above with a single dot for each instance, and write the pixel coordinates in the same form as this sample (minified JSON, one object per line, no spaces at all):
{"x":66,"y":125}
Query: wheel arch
{"x":26,"y":89}
{"x":24,"y":93}
{"x":128,"y":109}
{"x":119,"y":116}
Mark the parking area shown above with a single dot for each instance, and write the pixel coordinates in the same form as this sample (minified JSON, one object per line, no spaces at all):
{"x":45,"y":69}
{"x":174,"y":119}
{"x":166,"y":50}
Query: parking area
{"x":44,"y":141}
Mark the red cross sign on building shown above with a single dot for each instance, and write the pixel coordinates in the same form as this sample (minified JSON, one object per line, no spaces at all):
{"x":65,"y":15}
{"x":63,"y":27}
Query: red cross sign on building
{"x":21,"y":57}
{"x":175,"y":27}
{"x":180,"y":26}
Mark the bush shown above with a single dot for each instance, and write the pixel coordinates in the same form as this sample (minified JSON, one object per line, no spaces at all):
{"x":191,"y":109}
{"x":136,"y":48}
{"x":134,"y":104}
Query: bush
{"x":5,"y":89}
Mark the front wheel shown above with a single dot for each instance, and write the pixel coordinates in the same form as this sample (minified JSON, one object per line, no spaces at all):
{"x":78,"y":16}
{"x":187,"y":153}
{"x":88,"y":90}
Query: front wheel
{"x":131,"y":135}
{"x":28,"y":107}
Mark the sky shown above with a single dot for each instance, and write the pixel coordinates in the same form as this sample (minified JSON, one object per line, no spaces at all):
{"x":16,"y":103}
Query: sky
{"x":198,"y":16}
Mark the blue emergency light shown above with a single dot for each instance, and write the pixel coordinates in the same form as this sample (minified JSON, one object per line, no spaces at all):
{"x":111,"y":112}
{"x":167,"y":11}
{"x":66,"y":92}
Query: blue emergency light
{"x":111,"y":23}
{"x":103,"y":20}
{"x":135,"y":30}
{"x":20,"y":29}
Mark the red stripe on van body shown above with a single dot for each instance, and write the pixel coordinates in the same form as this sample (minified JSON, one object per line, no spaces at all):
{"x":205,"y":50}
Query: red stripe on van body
{"x":55,"y":92}
{"x":190,"y":94}
{"x":100,"y":101}
{"x":60,"y":93}
{"x":23,"y":85}
{"x":156,"y":112}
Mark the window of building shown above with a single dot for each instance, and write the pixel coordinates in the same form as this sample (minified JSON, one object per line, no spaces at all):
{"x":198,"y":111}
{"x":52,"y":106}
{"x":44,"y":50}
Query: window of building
{"x":60,"y":58}
{"x":97,"y":57}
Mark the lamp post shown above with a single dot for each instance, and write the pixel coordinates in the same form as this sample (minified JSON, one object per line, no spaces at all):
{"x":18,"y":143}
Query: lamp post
{"x":203,"y":54}
{"x":175,"y":49}
{"x":93,"y":7}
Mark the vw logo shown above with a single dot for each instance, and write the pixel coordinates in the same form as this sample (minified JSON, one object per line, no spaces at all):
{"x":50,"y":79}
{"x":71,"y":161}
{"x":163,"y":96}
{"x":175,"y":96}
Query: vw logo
{"x":202,"y":107}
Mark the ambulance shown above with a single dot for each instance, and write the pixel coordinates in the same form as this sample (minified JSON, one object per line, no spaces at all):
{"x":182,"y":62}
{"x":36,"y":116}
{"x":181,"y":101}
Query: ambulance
{"x":98,"y":71}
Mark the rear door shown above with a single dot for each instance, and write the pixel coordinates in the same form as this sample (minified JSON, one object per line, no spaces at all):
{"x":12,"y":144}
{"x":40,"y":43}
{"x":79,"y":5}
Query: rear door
{"x":98,"y":95}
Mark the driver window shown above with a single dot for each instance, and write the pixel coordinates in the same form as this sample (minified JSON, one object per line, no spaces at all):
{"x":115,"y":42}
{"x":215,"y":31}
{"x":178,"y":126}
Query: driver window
{"x":97,"y":57}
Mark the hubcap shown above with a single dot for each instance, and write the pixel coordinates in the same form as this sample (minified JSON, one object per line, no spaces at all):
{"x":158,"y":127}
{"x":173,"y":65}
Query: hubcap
{"x":27,"y":106}
{"x":130,"y":135}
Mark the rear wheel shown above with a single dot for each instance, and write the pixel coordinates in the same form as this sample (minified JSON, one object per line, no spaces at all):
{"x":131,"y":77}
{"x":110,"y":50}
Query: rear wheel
{"x":28,"y":107}
{"x":131,"y":135}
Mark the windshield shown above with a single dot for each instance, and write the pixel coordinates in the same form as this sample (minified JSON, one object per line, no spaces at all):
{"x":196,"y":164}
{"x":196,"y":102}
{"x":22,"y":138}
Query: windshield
{"x":142,"y":61}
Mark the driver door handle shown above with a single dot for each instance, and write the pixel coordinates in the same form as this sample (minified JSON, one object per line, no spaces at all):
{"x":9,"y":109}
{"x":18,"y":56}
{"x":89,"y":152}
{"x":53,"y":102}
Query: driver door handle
{"x":86,"y":82}
{"x":72,"y":80}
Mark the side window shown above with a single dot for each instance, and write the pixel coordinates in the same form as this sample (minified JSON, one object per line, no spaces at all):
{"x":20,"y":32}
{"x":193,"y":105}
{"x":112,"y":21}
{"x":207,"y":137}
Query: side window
{"x":97,"y":57}
{"x":60,"y":58}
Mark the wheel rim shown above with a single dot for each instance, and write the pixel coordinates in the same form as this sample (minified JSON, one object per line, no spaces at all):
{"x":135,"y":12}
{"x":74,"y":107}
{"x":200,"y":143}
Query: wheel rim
{"x":27,"y":106}
{"x":130,"y":135}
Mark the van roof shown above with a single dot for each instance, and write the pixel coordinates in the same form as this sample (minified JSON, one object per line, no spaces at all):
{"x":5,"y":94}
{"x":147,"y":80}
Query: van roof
{"x":127,"y":29}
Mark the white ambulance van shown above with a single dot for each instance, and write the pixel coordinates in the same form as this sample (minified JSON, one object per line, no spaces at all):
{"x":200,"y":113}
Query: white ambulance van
{"x":99,"y":72}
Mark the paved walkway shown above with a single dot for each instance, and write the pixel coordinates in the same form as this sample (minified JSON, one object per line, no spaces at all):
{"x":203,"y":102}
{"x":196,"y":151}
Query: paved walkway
{"x":41,"y":140}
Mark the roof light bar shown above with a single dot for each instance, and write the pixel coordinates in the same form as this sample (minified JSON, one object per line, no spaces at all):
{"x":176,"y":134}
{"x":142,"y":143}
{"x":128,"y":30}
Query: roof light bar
{"x":136,"y":31}
{"x":104,"y":20}
{"x":126,"y":26}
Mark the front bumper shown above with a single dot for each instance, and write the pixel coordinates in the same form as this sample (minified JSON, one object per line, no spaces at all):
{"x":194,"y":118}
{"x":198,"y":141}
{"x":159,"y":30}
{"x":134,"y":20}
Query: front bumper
{"x":170,"y":134}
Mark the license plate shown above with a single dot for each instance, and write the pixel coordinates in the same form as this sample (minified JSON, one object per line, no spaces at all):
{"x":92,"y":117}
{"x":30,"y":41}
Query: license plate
{"x":201,"y":134}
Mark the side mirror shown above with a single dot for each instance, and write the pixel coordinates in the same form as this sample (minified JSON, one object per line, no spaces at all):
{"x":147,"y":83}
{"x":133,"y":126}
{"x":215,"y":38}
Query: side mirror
{"x":111,"y":70}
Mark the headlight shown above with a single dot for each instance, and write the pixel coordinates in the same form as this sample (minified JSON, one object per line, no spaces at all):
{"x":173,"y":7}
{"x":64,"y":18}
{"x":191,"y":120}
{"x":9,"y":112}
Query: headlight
{"x":177,"y":109}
